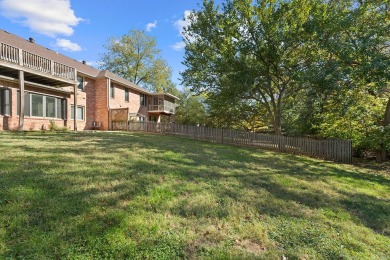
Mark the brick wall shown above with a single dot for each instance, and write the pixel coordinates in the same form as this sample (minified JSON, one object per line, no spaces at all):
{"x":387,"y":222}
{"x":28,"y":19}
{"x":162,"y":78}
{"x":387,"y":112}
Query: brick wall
{"x":94,"y":99}
{"x":30,"y":123}
{"x":134,"y":103}
{"x":87,"y":99}
{"x":101,"y":105}
{"x":9,"y":122}
{"x":89,"y":89}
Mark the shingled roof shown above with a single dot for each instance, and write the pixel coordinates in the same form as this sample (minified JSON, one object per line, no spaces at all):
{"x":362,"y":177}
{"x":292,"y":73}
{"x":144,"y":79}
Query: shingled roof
{"x":120,"y":80}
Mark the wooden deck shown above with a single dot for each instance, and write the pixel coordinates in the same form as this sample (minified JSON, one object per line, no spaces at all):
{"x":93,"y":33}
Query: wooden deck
{"x":18,"y":59}
{"x":167,"y":107}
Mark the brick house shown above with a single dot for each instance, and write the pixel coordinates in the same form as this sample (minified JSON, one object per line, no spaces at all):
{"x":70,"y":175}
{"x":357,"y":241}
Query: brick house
{"x":58,"y":88}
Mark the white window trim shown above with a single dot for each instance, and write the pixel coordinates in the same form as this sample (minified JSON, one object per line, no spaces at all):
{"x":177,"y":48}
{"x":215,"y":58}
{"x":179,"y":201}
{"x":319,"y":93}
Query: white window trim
{"x":44,"y":105}
{"x":83,"y":83}
{"x":10,"y":102}
{"x":112,"y":91}
{"x":128,"y":95}
{"x":72,"y":109}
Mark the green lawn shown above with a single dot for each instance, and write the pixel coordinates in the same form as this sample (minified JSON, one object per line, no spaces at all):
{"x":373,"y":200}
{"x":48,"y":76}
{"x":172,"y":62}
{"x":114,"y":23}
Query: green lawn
{"x":132,"y":195}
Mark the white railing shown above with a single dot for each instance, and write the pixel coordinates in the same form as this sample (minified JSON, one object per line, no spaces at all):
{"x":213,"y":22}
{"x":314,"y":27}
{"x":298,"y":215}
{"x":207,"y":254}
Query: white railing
{"x":166,"y":107}
{"x":9,"y":53}
{"x":35,"y":62}
{"x":64,"y":71}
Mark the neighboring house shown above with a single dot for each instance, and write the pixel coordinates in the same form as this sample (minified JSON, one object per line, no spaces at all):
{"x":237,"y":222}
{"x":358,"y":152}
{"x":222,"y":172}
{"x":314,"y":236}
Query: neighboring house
{"x":56,"y":87}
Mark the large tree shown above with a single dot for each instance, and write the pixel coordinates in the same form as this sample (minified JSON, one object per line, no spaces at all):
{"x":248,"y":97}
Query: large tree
{"x":296,"y":59}
{"x":249,"y":53}
{"x":349,"y":81}
{"x":191,"y":109}
{"x":135,"y":57}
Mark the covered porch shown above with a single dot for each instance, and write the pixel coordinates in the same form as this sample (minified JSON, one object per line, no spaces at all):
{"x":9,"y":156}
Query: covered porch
{"x":34,"y":75}
{"x":162,"y":103}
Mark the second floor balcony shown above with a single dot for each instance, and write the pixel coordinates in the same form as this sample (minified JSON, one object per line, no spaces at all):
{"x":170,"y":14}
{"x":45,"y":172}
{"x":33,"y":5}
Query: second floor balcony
{"x":16,"y":58}
{"x":166,"y":107}
{"x":162,"y":103}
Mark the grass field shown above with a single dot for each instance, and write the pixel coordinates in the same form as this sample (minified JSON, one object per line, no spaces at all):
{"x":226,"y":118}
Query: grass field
{"x":130,"y":195}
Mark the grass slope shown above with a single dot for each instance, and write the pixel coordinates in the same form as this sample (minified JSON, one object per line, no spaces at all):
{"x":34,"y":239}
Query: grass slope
{"x":124,"y":195}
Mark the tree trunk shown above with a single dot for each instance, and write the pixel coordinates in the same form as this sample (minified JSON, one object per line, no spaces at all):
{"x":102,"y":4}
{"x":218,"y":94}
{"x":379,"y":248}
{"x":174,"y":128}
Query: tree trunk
{"x":386,"y":122}
{"x":277,"y":123}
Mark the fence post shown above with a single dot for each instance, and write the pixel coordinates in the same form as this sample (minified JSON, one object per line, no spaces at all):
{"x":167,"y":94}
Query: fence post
{"x":280,"y":145}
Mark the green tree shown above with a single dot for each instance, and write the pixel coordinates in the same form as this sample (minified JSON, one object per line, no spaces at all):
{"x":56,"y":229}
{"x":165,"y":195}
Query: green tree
{"x":135,"y":57}
{"x":191,"y":109}
{"x":252,"y":53}
{"x":315,"y":67}
{"x":349,"y":81}
{"x":237,"y":114}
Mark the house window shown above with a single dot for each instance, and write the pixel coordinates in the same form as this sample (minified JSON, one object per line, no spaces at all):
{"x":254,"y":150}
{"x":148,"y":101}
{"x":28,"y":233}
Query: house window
{"x":27,"y":102}
{"x":143,"y":99}
{"x":112,"y":90}
{"x":42,"y":106}
{"x":36,"y":105}
{"x":80,"y":112}
{"x":61,"y":106}
{"x":5,"y":102}
{"x":152,"y":119}
{"x":80,"y":83}
{"x":126,"y":94}
{"x":50,"y":107}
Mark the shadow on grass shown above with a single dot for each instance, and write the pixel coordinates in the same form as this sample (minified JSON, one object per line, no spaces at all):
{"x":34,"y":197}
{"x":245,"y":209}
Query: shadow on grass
{"x":368,"y":210}
{"x":70,"y":193}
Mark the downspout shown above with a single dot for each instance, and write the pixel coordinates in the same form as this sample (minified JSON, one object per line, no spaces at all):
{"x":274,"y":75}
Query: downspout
{"x":75,"y":102}
{"x":108,"y":102}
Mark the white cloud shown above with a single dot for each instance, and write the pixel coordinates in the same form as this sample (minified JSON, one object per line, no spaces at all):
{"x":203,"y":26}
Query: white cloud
{"x":48,"y":17}
{"x":150,"y":26}
{"x":182,"y":23}
{"x":68,"y":45}
{"x":178,"y":46}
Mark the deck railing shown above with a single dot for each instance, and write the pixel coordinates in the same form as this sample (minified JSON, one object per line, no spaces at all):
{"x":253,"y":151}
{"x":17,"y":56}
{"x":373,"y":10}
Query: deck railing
{"x":167,"y":107}
{"x":9,"y":53}
{"x":35,"y":62}
{"x":64,"y":71}
{"x":329,"y":149}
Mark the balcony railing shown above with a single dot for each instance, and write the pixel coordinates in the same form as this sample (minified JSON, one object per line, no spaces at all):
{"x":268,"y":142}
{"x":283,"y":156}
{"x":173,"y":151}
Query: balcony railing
{"x":35,"y":62}
{"x":167,"y":107}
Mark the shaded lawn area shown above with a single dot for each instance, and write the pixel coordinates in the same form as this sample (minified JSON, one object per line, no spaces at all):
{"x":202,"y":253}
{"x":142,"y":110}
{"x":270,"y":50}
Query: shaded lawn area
{"x":133,"y":195}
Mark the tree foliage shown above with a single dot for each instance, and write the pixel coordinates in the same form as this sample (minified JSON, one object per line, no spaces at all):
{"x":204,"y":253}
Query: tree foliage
{"x":252,"y":53}
{"x":307,"y":67}
{"x":351,"y":75}
{"x":135,"y":57}
{"x":191,"y":109}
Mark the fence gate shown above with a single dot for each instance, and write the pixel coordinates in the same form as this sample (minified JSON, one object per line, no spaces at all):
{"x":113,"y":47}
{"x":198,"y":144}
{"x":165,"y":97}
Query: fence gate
{"x":119,"y":118}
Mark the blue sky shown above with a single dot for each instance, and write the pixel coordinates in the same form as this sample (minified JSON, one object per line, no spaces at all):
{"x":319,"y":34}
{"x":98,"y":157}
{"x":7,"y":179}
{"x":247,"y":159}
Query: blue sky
{"x":80,"y":28}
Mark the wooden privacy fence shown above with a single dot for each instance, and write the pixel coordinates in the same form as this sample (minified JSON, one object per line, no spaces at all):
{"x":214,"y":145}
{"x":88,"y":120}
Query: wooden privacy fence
{"x":328,"y":149}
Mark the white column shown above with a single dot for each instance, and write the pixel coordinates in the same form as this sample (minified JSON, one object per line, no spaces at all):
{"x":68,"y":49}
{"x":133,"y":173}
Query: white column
{"x":75,"y":103}
{"x":21,"y":100}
